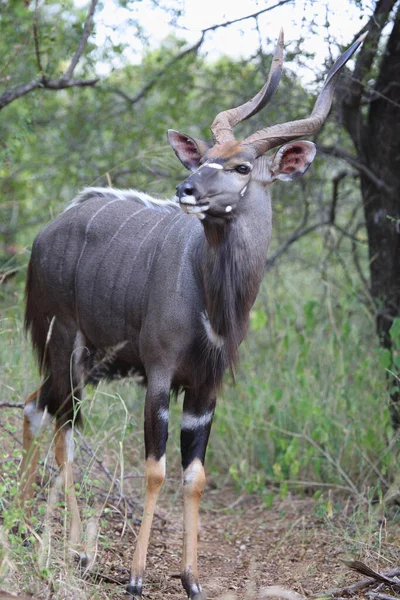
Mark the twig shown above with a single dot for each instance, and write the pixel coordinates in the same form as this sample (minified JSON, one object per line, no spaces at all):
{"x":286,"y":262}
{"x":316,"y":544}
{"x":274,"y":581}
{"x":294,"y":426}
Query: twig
{"x":354,"y":162}
{"x":337,"y":592}
{"x":36,"y":38}
{"x":381,"y":596}
{"x":296,"y":235}
{"x":360,"y":567}
{"x":252,"y":16}
{"x":4,"y":403}
{"x":146,"y":88}
{"x":82,"y":42}
{"x":14,"y":92}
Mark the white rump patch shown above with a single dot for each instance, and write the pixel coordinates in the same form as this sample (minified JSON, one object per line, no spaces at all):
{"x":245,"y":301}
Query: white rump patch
{"x":38,"y":419}
{"x":190,"y":422}
{"x":123,"y":195}
{"x":215,"y":339}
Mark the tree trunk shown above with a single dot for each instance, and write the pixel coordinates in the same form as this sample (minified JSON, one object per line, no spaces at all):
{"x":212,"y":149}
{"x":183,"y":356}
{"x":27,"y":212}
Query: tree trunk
{"x":376,"y":136}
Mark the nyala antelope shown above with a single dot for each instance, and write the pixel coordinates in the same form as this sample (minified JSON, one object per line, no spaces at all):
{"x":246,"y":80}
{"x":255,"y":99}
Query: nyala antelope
{"x":121,"y":283}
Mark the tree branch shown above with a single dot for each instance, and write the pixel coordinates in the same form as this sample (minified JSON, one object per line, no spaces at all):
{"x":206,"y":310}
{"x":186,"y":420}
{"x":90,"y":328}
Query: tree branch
{"x":11,"y":404}
{"x":293,"y":237}
{"x":82,"y":42}
{"x":146,"y":88}
{"x":21,"y":89}
{"x":357,"y":164}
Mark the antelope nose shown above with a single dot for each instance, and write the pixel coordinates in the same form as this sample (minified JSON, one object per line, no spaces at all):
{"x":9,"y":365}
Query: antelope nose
{"x":184,"y":189}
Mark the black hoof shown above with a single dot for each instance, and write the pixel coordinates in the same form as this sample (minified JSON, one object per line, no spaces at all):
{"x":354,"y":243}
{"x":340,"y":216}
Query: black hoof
{"x":134,"y":590}
{"x":83,"y":560}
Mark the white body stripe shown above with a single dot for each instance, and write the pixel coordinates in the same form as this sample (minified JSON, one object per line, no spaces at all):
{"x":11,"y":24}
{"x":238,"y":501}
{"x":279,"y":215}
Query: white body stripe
{"x":228,"y":208}
{"x":38,"y":419}
{"x":190,"y":422}
{"x":163,"y":414}
{"x":215,"y":339}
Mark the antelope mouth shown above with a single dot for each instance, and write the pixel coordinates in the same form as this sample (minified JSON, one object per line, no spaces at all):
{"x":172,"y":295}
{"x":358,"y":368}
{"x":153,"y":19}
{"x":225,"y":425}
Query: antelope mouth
{"x":191,"y":206}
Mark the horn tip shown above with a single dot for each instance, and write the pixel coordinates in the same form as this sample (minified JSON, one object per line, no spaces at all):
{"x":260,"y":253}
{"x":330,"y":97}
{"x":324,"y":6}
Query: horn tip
{"x":362,"y":37}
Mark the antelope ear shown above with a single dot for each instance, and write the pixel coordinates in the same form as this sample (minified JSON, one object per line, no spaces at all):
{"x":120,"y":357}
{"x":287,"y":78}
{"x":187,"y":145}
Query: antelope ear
{"x":292,"y":160}
{"x":189,"y":150}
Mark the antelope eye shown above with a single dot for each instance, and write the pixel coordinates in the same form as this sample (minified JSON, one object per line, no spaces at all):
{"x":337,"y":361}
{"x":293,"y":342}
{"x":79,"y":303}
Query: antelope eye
{"x":243,"y":169}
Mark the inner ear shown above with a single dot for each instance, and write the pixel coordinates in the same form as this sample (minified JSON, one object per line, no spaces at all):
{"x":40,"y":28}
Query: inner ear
{"x":292,"y":160}
{"x":188,"y":149}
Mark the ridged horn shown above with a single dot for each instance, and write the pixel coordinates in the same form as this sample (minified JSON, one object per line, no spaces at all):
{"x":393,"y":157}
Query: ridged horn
{"x":224,"y":121}
{"x":273,"y":136}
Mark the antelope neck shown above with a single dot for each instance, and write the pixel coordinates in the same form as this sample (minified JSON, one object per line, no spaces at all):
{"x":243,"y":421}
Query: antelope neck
{"x":232,"y":265}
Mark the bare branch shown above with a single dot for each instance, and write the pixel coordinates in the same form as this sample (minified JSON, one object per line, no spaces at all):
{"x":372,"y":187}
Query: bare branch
{"x":14,"y":92}
{"x":17,"y":91}
{"x":82,"y":42}
{"x":293,"y":237}
{"x":357,"y":164}
{"x":11,"y":404}
{"x":60,"y":84}
{"x":36,"y":38}
{"x":252,"y":16}
{"x":143,"y":92}
{"x":364,"y":583}
{"x":146,"y":88}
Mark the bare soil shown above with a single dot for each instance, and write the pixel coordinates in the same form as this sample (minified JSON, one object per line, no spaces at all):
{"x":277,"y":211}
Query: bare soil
{"x":245,"y":546}
{"x":299,"y":543}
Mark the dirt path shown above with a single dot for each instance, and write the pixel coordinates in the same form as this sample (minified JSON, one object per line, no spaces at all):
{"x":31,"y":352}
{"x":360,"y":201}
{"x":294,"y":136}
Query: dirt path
{"x":299,"y":544}
{"x":248,"y":546}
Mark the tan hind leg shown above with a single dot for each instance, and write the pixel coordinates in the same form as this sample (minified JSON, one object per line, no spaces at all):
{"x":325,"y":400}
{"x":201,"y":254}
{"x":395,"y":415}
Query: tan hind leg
{"x":35,"y":420}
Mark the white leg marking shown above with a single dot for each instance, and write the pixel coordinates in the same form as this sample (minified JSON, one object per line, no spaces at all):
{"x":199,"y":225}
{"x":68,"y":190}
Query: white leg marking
{"x":38,"y":419}
{"x":190,"y":422}
{"x":163,"y":414}
{"x":213,"y":337}
{"x":69,"y":442}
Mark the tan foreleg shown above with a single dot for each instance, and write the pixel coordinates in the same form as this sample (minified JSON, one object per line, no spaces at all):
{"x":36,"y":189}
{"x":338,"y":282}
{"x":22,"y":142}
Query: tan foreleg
{"x":155,"y":475}
{"x":194,"y":481}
